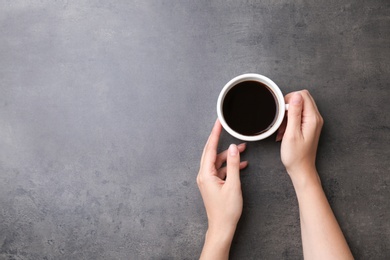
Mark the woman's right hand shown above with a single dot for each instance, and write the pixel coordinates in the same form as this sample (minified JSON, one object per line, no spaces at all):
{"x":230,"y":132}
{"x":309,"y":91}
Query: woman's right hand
{"x":322,"y":237}
{"x":300,"y":135}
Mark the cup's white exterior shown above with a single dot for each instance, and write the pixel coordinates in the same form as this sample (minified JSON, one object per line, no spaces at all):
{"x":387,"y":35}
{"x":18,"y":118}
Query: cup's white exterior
{"x":273,"y":87}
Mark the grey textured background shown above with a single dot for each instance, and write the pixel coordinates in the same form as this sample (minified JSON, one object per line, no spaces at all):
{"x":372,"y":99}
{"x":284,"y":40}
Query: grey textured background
{"x":106,"y":107}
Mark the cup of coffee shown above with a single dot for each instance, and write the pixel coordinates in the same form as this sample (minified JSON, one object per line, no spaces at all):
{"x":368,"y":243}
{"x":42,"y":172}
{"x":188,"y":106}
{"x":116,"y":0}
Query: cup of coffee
{"x":251,"y":107}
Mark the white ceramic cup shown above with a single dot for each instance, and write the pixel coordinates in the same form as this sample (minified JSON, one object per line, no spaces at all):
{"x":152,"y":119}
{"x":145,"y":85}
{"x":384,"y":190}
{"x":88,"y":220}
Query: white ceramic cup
{"x":281,"y":105}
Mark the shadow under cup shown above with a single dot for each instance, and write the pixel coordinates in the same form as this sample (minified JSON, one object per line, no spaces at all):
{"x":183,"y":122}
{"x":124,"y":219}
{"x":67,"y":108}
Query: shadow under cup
{"x":251,"y":107}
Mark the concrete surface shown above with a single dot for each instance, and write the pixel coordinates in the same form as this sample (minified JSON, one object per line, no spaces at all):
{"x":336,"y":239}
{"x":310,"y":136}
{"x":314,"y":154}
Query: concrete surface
{"x":106,"y":106}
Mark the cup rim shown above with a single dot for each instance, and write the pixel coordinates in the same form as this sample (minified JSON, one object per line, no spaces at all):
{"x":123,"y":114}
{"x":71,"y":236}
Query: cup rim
{"x":272,"y":86}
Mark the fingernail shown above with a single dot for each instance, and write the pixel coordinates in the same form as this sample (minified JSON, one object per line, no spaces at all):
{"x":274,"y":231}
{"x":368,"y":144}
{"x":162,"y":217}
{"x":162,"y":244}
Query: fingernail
{"x":296,"y":99}
{"x":233,"y":150}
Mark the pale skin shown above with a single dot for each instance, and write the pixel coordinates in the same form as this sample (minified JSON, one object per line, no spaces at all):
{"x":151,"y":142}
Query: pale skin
{"x":220,"y":187}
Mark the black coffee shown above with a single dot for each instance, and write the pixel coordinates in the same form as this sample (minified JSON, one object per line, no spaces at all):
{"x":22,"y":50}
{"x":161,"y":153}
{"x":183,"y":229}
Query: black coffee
{"x":250,"y":108}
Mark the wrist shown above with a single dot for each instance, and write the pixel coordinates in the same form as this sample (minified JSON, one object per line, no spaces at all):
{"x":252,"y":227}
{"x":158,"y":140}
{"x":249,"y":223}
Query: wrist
{"x":304,"y":177}
{"x":217,"y":244}
{"x":220,"y":236}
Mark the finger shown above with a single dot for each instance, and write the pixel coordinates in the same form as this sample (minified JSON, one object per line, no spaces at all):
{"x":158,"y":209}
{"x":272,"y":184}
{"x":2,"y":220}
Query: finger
{"x":281,"y":130}
{"x":210,"y":150}
{"x":294,"y":114}
{"x":288,"y":97}
{"x":233,"y":167}
{"x":310,"y":112}
{"x":221,"y":158}
{"x":308,"y":100}
{"x":222,"y":172}
{"x":309,"y":103}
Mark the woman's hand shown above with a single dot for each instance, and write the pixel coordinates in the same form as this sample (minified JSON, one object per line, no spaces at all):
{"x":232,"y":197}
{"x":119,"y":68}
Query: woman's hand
{"x":220,"y":188}
{"x":301,"y":134}
{"x":322,"y":237}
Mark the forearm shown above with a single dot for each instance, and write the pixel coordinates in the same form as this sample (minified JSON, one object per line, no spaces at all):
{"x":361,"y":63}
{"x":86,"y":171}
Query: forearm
{"x":217,"y":244}
{"x":322,"y":237}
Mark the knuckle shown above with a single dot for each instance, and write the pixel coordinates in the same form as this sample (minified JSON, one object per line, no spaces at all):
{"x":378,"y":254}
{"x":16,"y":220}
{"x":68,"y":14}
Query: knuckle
{"x":319,"y":120}
{"x":305,"y":91}
{"x":200,"y":180}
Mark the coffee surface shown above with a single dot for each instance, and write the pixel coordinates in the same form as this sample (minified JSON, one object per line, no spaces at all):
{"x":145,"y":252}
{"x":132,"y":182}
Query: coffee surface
{"x":250,"y":108}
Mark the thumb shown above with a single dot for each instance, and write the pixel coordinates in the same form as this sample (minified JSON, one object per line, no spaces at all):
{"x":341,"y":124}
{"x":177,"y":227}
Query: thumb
{"x":233,"y":166}
{"x":294,"y":116}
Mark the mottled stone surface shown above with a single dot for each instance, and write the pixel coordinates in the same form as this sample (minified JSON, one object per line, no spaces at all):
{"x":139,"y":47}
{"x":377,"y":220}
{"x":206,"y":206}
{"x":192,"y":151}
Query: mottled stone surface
{"x":105,"y":107}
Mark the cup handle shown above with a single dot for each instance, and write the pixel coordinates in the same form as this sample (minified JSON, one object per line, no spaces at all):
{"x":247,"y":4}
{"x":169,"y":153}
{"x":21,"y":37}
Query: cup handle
{"x":287,"y":105}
